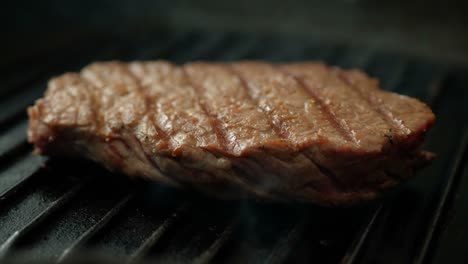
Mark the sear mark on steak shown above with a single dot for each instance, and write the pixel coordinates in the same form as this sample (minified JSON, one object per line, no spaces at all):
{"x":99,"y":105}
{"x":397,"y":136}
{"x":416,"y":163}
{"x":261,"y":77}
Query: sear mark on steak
{"x":286,"y":132}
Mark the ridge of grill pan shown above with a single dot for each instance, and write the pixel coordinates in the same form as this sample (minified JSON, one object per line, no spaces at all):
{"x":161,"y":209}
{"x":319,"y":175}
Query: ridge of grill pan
{"x":51,"y":213}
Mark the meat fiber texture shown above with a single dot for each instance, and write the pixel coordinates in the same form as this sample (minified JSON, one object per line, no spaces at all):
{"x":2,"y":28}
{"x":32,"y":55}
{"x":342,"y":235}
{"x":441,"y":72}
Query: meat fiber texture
{"x":303,"y":131}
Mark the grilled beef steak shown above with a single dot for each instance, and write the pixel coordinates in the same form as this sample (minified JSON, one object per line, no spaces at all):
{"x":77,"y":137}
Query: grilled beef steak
{"x":300,"y":131}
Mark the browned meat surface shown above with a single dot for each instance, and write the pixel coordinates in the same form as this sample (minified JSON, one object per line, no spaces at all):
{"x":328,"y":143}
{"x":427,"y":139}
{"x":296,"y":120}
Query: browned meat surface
{"x":300,"y":131}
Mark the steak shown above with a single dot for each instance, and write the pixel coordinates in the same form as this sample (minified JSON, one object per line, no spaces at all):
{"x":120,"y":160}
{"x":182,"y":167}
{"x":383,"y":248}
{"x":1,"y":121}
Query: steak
{"x":286,"y":132}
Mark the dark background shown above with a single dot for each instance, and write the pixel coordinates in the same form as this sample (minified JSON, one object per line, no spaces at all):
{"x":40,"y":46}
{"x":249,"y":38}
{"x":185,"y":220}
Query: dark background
{"x":432,"y":29}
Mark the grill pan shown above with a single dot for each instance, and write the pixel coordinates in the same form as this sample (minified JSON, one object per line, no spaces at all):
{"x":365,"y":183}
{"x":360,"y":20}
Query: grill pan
{"x":66,"y":211}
